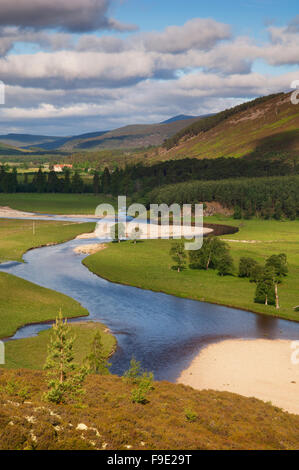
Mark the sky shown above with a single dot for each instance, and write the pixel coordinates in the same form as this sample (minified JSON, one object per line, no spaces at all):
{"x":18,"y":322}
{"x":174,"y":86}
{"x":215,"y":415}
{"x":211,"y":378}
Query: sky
{"x":76,"y":66}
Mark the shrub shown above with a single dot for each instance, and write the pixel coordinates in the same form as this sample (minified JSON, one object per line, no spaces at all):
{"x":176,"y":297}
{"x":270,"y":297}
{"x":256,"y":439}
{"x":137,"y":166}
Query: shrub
{"x":145,"y":385}
{"x":190,"y":415}
{"x":133,"y":374}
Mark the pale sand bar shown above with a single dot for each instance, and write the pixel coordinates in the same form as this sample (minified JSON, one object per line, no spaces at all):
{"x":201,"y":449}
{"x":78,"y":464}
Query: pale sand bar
{"x":253,"y":368}
{"x":89,"y":249}
{"x":6,"y":211}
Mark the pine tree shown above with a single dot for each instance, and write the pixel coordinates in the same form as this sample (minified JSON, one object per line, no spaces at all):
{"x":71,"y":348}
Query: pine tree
{"x":14,"y":180}
{"x":96,"y":183}
{"x":134,"y":373}
{"x":67,"y":180}
{"x":237,"y":213}
{"x":39,"y":181}
{"x":277,"y":211}
{"x":96,"y":361}
{"x":106,"y":181}
{"x":53,"y":182}
{"x":77,"y":183}
{"x":65,"y":378}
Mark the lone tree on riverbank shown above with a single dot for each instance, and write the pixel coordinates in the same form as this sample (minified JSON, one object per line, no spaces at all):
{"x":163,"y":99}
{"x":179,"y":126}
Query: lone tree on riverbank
{"x":65,"y":377}
{"x":178,"y":255}
{"x":278,"y":264}
{"x":264,"y":293}
{"x":268,"y":279}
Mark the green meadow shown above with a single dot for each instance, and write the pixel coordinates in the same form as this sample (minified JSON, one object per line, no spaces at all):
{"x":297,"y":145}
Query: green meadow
{"x":31,"y":353}
{"x":19,"y":236}
{"x":22,"y":302}
{"x":148,"y":265}
{"x":55,"y":203}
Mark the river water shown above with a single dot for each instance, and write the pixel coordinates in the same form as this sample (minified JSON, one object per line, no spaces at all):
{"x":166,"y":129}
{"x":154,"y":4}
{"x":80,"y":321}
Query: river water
{"x":162,"y":331}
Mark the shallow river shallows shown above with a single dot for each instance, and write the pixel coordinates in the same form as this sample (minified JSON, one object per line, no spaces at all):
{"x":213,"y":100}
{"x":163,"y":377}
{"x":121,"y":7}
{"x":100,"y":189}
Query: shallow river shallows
{"x":162,"y":331}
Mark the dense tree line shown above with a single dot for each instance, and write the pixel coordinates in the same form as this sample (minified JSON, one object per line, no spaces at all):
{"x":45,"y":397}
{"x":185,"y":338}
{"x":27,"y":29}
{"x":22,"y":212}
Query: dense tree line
{"x":141,"y":179}
{"x":8,"y":180}
{"x":204,"y":125}
{"x":42,"y":182}
{"x":269,"y":197}
{"x":275,"y":196}
{"x":214,"y":254}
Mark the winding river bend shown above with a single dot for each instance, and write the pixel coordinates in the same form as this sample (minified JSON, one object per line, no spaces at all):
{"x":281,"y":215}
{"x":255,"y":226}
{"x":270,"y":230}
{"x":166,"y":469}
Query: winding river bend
{"x":162,"y":331}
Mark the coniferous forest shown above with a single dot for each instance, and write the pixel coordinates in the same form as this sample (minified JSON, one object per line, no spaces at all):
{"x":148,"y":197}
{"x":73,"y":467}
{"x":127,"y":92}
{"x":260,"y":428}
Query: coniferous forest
{"x":252,"y":187}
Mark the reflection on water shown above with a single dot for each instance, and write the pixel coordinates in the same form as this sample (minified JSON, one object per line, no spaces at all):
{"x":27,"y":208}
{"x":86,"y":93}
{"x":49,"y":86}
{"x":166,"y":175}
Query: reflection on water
{"x":162,"y":331}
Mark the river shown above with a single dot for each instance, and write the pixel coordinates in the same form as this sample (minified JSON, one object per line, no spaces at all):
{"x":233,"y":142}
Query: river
{"x":162,"y":331}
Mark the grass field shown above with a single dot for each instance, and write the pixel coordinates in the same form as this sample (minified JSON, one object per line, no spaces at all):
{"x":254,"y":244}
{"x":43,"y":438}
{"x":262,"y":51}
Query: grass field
{"x":18,"y":236}
{"x":22,"y":302}
{"x":148,"y":265}
{"x":54,"y":203}
{"x":30,"y":353}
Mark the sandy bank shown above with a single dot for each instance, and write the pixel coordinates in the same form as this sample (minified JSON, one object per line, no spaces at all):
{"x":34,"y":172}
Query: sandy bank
{"x":8,"y":212}
{"x":90,"y":249}
{"x":253,"y":368}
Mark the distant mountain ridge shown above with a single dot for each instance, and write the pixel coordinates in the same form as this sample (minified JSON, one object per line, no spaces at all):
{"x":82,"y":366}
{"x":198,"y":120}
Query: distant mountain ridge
{"x":127,"y":137}
{"x":180,"y":117}
{"x":45,"y":142}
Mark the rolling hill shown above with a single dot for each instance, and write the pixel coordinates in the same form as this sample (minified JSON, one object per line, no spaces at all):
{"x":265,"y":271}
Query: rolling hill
{"x":266,"y":125}
{"x":128,"y":137}
{"x":9,"y":150}
{"x":31,"y":141}
{"x":26,"y":140}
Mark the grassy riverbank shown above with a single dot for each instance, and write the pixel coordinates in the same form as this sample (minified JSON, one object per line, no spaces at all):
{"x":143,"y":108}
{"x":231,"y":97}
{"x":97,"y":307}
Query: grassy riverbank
{"x":22,"y":302}
{"x":55,"y":203}
{"x":148,"y":265}
{"x":19,"y":236}
{"x":30,"y":353}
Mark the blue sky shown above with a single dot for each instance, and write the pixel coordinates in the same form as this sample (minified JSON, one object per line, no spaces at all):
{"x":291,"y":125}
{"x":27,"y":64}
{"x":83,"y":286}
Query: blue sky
{"x":74,"y":66}
{"x":246,"y":16}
